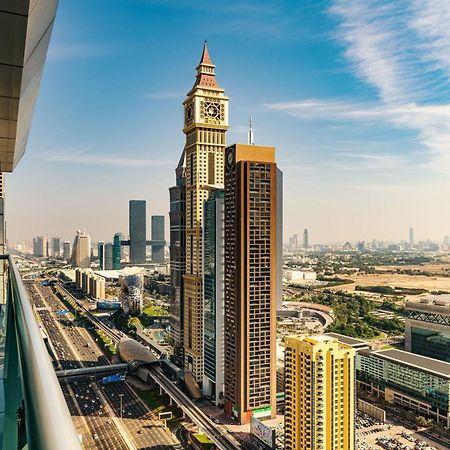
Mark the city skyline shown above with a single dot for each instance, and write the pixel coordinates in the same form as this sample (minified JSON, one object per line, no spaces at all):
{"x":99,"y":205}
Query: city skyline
{"x":322,"y":110}
{"x":229,"y":334}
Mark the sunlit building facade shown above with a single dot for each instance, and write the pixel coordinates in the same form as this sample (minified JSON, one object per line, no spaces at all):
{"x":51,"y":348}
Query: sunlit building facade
{"x":319,"y":394}
{"x":81,"y":251}
{"x":205,"y":126}
{"x":250,"y":281}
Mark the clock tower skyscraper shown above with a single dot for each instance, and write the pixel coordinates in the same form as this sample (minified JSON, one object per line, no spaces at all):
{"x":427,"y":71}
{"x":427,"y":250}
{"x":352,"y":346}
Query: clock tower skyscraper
{"x":205,"y":126}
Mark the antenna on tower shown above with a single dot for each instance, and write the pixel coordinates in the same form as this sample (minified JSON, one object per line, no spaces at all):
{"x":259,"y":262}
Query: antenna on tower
{"x":250,"y":136}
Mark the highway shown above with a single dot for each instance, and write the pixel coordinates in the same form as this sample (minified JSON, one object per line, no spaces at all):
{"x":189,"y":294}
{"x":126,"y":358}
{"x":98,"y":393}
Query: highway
{"x":96,"y":407}
{"x":222,"y":440}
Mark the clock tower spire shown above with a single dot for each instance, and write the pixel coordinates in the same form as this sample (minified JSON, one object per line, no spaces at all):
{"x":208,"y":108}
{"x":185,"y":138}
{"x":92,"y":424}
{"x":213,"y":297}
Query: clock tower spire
{"x":206,"y":76}
{"x":205,"y":126}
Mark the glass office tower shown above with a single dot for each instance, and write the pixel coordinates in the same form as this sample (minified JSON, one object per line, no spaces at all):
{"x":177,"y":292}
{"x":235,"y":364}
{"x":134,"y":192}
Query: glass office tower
{"x":138,"y":236}
{"x":101,"y":255}
{"x":213,"y":296}
{"x":109,"y":249}
{"x":117,"y":251}
{"x":177,"y":250}
{"x":158,"y":239}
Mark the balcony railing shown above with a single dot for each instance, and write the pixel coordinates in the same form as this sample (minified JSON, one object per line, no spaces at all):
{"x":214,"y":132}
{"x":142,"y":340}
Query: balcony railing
{"x":36,"y":414}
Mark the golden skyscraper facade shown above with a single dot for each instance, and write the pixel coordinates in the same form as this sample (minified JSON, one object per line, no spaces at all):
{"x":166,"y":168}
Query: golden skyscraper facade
{"x":205,"y":126}
{"x":319,"y":394}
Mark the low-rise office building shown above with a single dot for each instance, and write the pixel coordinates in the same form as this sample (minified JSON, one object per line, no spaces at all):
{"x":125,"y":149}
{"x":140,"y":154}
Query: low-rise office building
{"x":413,"y":381}
{"x":90,"y":283}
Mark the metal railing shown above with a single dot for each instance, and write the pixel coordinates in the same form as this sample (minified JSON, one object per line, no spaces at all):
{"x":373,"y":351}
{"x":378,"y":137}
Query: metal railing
{"x":36,"y":414}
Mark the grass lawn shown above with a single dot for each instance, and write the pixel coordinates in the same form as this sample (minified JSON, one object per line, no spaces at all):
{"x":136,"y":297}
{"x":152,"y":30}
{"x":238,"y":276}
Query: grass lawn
{"x":160,"y":403}
{"x":153,"y":310}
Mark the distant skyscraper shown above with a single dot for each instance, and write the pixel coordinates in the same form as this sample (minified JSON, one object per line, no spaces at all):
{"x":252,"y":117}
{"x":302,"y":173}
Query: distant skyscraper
{"x":109,"y":256}
{"x":293,"y":242}
{"x":250,"y":281}
{"x":101,"y":255}
{"x":66,"y":250}
{"x":205,"y":125}
{"x":56,"y":246}
{"x":40,"y":246}
{"x":319,"y":394}
{"x":213,"y":296}
{"x":81,"y":251}
{"x":177,"y":250}
{"x":411,"y":236}
{"x":138,"y":235}
{"x":306,"y":238}
{"x":117,"y":251}
{"x":158,"y":235}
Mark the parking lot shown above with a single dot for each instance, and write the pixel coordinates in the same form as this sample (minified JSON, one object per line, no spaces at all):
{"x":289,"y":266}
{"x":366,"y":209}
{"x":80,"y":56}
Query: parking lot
{"x":373,"y":435}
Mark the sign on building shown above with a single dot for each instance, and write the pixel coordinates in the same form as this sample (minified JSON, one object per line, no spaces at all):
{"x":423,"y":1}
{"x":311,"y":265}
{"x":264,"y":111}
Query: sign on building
{"x":262,"y":432}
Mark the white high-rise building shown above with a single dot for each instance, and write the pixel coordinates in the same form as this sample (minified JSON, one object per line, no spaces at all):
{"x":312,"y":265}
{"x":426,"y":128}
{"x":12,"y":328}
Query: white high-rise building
{"x":81,"y":252}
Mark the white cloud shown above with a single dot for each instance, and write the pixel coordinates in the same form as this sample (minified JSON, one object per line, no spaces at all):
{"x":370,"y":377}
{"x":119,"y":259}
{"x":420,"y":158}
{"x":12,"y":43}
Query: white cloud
{"x":97,"y":159}
{"x":374,"y":160}
{"x":431,"y":122}
{"x":430,"y":20}
{"x":401,"y":49}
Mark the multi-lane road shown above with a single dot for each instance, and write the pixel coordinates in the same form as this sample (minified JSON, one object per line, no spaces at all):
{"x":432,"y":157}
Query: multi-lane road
{"x":96,"y":408}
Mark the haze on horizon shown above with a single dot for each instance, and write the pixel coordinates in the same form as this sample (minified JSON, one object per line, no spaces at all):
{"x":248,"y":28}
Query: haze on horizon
{"x":356,"y":103}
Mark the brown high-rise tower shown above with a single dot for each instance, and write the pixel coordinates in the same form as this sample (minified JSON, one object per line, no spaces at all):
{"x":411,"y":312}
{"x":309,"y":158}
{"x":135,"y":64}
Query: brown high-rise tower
{"x":250,"y":281}
{"x":205,"y":125}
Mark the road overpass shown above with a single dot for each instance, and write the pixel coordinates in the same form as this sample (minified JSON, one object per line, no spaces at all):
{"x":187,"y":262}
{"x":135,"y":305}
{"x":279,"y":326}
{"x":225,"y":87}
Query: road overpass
{"x":96,"y":370}
{"x":222,"y":440}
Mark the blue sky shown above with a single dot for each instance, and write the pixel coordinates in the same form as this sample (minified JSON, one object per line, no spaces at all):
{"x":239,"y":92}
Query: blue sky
{"x":354,"y":94}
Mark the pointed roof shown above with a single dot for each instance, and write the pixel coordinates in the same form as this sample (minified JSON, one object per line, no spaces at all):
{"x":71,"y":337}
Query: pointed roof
{"x":206,"y":76}
{"x":205,"y":55}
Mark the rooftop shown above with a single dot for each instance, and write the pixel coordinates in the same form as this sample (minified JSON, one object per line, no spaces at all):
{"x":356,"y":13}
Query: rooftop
{"x":442,"y":299}
{"x":351,"y":342}
{"x":424,"y":363}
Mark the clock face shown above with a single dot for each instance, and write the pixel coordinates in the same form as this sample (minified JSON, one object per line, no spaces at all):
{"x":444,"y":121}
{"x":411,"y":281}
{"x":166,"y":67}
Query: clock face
{"x":230,"y":158}
{"x":189,"y":113}
{"x":212,"y":111}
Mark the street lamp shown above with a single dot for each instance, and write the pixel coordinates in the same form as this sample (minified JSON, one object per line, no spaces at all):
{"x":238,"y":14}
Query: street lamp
{"x":121,"y":396}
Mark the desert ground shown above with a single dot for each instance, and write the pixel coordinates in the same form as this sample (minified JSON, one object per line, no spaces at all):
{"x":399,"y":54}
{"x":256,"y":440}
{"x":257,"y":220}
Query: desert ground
{"x":430,"y":283}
